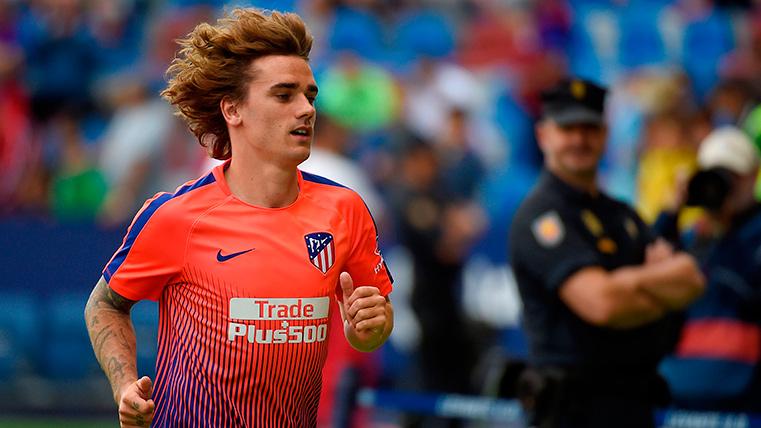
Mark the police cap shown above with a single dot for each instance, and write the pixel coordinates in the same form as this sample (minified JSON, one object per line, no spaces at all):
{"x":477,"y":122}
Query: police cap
{"x":574,"y":101}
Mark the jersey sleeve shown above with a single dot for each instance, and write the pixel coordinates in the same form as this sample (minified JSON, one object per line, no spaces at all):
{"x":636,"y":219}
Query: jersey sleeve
{"x":151,"y":253}
{"x":365,"y":262}
{"x":548,"y":247}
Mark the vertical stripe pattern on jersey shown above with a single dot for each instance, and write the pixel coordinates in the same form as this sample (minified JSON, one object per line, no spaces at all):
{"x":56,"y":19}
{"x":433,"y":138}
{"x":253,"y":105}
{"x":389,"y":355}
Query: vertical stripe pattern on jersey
{"x":204,"y":379}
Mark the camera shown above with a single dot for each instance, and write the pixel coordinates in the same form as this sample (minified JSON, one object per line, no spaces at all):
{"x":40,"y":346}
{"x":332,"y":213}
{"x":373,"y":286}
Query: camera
{"x":709,"y":188}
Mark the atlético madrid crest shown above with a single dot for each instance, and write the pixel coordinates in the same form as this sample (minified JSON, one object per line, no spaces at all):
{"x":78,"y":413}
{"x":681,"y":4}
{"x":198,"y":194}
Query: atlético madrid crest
{"x":322,"y":250}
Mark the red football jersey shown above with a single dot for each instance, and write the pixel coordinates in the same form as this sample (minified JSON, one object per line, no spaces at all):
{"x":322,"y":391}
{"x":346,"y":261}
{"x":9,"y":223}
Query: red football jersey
{"x":244,"y":295}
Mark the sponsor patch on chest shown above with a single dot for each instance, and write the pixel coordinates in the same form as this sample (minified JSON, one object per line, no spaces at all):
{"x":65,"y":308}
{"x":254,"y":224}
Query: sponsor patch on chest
{"x":285,"y":310}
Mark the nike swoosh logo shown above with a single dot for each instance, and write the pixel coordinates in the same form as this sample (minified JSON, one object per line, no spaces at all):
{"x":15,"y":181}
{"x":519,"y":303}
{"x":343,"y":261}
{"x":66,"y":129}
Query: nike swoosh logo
{"x":224,"y":258}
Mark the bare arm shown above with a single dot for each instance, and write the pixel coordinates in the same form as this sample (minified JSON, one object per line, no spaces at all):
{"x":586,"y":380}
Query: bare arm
{"x":631,"y":296}
{"x":610,"y":299}
{"x":112,"y":335}
{"x":674,"y":281}
{"x":107,"y":315}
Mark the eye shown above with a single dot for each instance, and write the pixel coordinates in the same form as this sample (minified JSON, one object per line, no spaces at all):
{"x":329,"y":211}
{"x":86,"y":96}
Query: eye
{"x":311,"y":100}
{"x":283,"y":97}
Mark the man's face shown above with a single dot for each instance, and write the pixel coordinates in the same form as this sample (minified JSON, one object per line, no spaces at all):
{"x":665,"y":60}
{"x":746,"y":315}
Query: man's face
{"x":277,"y":116}
{"x":573,"y":150}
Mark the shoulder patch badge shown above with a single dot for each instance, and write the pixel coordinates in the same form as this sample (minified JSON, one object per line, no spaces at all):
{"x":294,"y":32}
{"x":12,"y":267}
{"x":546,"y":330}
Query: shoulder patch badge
{"x":548,"y":229}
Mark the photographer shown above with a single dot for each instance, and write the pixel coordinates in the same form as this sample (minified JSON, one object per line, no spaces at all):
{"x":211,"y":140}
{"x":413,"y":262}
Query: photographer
{"x":715,"y":365}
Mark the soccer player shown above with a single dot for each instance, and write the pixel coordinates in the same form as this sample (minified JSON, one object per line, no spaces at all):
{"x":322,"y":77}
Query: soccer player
{"x":245,"y":260}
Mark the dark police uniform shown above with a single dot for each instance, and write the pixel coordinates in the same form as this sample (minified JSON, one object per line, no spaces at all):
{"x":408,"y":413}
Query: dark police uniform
{"x":583,"y":375}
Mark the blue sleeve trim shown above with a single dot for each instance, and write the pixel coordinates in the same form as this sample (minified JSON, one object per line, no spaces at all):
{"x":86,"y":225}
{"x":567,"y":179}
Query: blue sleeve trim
{"x":320,"y":180}
{"x":143,"y":218}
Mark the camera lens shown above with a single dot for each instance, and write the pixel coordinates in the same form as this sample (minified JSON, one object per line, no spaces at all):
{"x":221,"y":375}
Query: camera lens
{"x":709,"y":189}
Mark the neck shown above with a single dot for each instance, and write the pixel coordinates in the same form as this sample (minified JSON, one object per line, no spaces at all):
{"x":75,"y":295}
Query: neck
{"x":262,"y":184}
{"x":584,"y":182}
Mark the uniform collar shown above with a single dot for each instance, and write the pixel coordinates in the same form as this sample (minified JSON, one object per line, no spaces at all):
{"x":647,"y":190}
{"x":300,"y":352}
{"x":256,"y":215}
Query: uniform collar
{"x":552,"y":181}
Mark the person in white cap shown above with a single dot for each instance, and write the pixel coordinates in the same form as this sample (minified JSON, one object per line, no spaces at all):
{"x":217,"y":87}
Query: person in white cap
{"x":716,"y":364}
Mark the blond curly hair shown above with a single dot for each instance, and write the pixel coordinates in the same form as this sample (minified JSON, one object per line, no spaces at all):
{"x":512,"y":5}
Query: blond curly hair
{"x":213,"y":63}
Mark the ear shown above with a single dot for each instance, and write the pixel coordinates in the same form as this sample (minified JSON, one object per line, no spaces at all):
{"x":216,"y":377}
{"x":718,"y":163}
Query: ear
{"x":605,"y":132}
{"x":230,"y":111}
{"x":540,"y":130}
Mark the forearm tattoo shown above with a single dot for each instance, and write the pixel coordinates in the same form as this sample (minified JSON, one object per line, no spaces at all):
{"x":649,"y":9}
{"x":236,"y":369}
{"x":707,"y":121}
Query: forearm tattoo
{"x":112,"y":334}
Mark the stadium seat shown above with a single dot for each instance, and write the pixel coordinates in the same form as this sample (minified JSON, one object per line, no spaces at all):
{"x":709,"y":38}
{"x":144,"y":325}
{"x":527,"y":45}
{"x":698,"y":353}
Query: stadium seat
{"x":68,"y":353}
{"x":19,"y":333}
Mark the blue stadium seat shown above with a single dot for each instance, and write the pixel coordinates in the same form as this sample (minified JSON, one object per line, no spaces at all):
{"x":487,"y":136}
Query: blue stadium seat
{"x":359,"y":32}
{"x":713,"y":37}
{"x":67,"y":352}
{"x":640,"y":41}
{"x":19,"y":333}
{"x":419,"y":34}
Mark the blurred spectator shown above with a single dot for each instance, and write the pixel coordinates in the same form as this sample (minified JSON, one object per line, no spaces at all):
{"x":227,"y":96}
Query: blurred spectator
{"x":745,"y":62}
{"x":60,"y":59}
{"x":461,"y":170}
{"x":633,"y":106}
{"x":438,"y":234}
{"x":358,"y":95}
{"x":729,"y":101}
{"x":752,"y":126}
{"x":133,"y":148}
{"x":717,"y":362}
{"x":116,"y":29}
{"x":432,"y":90}
{"x":165,"y":26}
{"x":15,"y":131}
{"x":78,"y":187}
{"x":667,"y":155}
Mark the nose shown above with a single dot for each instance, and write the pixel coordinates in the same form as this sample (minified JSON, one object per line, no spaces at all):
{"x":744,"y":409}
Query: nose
{"x":579,"y":134}
{"x":306,"y":109}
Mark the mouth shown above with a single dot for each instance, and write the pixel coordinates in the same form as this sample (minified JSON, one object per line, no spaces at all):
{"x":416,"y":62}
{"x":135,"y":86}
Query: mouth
{"x":302,"y":131}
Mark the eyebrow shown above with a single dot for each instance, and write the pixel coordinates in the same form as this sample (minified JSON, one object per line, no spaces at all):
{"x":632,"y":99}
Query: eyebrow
{"x":290,"y":85}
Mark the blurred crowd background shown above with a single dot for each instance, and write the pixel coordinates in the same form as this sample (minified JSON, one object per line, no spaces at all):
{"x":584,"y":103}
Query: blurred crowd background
{"x":426,"y":108}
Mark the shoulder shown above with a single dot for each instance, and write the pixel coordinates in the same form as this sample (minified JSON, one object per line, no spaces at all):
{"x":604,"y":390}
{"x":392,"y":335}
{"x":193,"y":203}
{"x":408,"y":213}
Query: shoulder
{"x":619,"y":205}
{"x":750,"y":232}
{"x":332,"y":193}
{"x":539,"y":201}
{"x":168,"y":212}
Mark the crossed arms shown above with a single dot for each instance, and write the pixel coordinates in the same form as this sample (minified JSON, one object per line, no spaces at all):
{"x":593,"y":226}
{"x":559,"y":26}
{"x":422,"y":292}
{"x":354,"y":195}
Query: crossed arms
{"x":631,"y":296}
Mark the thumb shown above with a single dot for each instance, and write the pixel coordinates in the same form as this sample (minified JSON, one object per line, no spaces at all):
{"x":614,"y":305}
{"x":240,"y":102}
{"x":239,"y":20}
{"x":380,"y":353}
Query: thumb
{"x":347,"y":286}
{"x":145,"y":386}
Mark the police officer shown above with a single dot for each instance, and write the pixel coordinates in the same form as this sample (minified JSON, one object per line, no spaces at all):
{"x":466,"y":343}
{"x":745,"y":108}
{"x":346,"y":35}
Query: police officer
{"x":600,"y":294}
